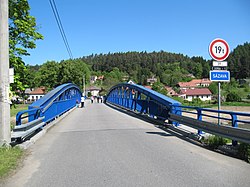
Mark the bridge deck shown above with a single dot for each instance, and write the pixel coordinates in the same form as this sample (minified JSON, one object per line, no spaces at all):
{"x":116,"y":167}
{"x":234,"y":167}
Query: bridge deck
{"x":99,"y":146}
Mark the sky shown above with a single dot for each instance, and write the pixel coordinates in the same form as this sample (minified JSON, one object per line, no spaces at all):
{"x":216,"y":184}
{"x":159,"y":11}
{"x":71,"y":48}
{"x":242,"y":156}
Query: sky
{"x":103,"y":26}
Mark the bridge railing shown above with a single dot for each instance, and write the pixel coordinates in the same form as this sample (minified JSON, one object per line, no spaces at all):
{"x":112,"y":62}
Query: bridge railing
{"x":229,"y":124}
{"x":142,"y":100}
{"x":52,"y":105}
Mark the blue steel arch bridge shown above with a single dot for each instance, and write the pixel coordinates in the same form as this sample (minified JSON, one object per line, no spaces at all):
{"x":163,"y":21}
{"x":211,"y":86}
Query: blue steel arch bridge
{"x":146,"y":103}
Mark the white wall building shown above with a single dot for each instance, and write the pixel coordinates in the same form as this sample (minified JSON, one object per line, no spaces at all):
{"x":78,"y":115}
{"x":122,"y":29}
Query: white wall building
{"x":203,"y":93}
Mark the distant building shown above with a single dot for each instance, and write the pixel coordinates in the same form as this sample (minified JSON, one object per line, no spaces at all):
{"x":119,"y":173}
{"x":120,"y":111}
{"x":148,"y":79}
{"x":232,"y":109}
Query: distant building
{"x":125,"y":77}
{"x":148,"y":87}
{"x":34,"y":95}
{"x":151,"y":80}
{"x":93,"y":79}
{"x":93,"y":90}
{"x":131,"y":82}
{"x":189,"y":94}
{"x":170,"y":91}
{"x":195,"y":83}
{"x":100,"y":78}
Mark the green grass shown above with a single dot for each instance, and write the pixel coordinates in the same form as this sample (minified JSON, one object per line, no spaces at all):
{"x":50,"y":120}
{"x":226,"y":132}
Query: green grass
{"x":17,"y":108}
{"x":206,"y":105}
{"x":235,"y":104}
{"x":14,"y":111}
{"x":9,"y":159}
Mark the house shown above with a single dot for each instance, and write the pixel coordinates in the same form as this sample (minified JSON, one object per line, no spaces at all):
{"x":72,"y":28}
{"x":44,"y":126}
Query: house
{"x":93,"y":90}
{"x":100,"y":78}
{"x":195,"y":83}
{"x":189,"y":94}
{"x":37,"y":93}
{"x":93,"y":79}
{"x":170,"y":91}
{"x":151,"y":80}
{"x":125,"y":77}
{"x":131,"y":82}
{"x":148,"y":87}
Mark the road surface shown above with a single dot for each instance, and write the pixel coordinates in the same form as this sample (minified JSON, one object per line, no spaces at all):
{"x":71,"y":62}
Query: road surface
{"x":99,"y":146}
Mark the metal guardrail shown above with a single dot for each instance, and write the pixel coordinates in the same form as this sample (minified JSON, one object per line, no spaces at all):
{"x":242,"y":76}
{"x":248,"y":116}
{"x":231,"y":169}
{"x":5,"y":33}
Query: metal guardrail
{"x":52,"y":105}
{"x":22,"y":131}
{"x":160,"y":107}
{"x":236,"y":134}
{"x":240,"y":134}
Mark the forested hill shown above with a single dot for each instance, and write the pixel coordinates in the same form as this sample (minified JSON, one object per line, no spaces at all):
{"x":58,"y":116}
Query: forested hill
{"x":160,"y":64}
{"x":168,"y":68}
{"x":239,"y":61}
{"x":125,"y":61}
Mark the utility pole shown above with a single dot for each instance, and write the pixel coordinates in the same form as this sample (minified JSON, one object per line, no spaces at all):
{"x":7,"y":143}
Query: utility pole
{"x":4,"y":74}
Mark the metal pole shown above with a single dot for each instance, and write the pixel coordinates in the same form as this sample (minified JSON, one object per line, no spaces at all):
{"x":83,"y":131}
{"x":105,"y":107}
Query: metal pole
{"x":83,"y":81}
{"x":219,"y":103}
{"x":4,"y":74}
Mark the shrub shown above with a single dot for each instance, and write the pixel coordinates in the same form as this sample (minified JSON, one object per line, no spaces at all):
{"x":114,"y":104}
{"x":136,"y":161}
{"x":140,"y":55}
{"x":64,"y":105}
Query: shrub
{"x":244,"y":151}
{"x":215,"y":141}
{"x":248,"y":97}
{"x":233,"y":97}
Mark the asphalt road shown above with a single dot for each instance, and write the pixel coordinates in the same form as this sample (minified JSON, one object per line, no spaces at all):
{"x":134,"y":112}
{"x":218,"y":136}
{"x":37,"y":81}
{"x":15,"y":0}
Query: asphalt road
{"x":99,"y":146}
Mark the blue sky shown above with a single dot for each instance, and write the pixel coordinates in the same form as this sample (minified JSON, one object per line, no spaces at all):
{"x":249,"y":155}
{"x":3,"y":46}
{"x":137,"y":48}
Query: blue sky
{"x":102,"y":26}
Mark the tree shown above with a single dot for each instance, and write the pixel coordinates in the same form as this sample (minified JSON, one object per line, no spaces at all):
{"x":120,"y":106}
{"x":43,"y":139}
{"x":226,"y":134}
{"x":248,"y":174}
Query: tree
{"x":48,"y":74}
{"x":213,"y":88}
{"x":238,"y":61}
{"x":159,"y":87}
{"x":73,"y":71}
{"x":22,"y":36}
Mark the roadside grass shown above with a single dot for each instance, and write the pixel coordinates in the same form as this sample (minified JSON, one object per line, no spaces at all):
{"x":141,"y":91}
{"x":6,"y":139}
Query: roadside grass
{"x":9,"y":159}
{"x":243,"y":149}
{"x":207,"y":105}
{"x":15,"y":109}
{"x":13,"y":112}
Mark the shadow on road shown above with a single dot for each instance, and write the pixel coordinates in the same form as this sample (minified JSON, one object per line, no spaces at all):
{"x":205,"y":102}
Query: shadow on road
{"x":159,"y":133}
{"x":168,"y":128}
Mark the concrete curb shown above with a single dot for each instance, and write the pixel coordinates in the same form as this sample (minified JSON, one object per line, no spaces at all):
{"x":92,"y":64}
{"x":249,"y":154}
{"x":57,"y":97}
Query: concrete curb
{"x":31,"y":141}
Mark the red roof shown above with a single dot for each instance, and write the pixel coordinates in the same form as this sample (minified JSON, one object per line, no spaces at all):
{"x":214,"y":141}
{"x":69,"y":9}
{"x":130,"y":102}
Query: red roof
{"x":149,"y":87}
{"x":187,"y":84}
{"x":92,"y":88}
{"x":193,"y":92}
{"x":195,"y":82}
{"x":38,"y":91}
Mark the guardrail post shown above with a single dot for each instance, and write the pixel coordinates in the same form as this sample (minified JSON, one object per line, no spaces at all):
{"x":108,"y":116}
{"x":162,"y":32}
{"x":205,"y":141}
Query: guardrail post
{"x":174,"y":111}
{"x":199,"y":117}
{"x":235,"y":125}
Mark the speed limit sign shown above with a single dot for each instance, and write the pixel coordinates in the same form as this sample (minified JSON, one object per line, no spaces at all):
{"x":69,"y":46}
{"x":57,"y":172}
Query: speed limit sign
{"x":219,"y":49}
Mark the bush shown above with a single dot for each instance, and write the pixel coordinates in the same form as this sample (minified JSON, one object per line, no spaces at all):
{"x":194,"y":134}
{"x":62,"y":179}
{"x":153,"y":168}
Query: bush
{"x":233,"y":97}
{"x":244,"y":151}
{"x":248,"y":97}
{"x":215,"y":141}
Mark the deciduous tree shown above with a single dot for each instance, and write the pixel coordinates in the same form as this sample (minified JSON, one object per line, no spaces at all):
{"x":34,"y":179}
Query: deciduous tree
{"x":22,"y":36}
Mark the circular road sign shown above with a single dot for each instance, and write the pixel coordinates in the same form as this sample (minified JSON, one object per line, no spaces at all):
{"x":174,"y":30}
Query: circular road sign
{"x":219,"y":49}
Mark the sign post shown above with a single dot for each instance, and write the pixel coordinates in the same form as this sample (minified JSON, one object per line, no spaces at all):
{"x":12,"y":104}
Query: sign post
{"x":219,"y":51}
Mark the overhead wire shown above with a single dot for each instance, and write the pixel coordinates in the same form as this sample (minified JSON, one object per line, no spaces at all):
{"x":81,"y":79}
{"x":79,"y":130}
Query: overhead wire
{"x":60,"y":26}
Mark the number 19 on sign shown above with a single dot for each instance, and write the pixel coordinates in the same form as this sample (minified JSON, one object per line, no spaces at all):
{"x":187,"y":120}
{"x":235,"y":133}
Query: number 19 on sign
{"x":219,"y":49}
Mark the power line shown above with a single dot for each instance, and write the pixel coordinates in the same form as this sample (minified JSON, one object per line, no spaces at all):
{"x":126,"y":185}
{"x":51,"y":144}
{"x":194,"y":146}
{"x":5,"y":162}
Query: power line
{"x":59,"y":23}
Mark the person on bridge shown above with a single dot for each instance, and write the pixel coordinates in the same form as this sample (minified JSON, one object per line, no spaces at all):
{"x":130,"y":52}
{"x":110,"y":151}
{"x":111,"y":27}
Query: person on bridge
{"x":82,"y":101}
